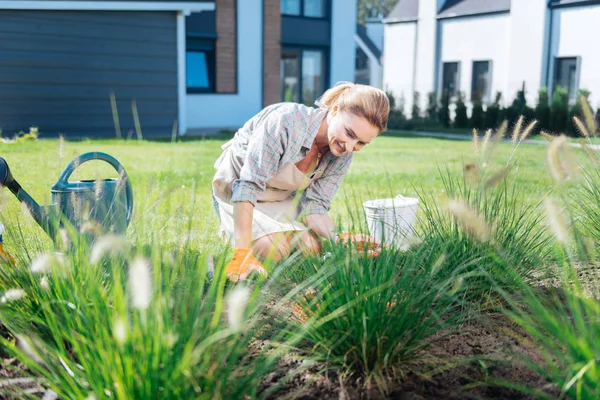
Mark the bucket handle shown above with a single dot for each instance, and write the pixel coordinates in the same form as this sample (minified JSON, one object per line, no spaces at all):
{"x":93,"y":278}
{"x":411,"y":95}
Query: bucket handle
{"x":97,"y":155}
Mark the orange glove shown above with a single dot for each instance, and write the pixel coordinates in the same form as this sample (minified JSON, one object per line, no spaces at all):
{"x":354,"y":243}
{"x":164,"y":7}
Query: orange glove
{"x":362,"y":241}
{"x":242,"y":264}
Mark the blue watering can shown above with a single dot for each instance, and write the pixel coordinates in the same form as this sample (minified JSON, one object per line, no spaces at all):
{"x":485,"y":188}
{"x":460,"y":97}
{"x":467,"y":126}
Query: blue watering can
{"x":109,"y":202}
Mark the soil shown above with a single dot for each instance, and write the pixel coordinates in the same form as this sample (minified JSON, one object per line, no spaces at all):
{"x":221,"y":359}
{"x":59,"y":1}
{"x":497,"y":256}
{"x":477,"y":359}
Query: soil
{"x":483,"y":352}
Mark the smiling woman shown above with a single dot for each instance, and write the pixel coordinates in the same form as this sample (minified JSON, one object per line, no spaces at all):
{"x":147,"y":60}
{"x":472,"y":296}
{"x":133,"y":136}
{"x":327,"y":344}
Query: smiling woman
{"x":276,"y":178}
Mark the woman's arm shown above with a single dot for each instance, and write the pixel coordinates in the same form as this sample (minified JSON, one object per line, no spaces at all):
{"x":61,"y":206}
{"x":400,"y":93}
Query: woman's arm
{"x":242,"y":220}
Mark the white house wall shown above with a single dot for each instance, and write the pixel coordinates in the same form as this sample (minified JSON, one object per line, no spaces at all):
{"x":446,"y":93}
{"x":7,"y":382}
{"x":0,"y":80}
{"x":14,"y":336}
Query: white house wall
{"x":233,"y":110}
{"x":343,"y":50}
{"x":573,"y":33}
{"x":480,"y":38}
{"x":527,"y":63}
{"x":399,"y":60}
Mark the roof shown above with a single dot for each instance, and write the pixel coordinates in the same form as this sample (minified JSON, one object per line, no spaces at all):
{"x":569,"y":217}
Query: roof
{"x":361,"y":31}
{"x":559,"y":3}
{"x":460,"y":8}
{"x":403,"y":11}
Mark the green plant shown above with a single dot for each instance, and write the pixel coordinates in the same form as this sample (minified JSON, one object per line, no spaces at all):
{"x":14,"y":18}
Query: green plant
{"x":461,"y":120}
{"x":560,"y":110}
{"x":486,"y":218}
{"x":416,"y":109}
{"x":431,"y":112}
{"x":542,"y":109}
{"x":492,"y":113}
{"x":519,"y":108}
{"x":444,"y":109}
{"x":373,"y":319}
{"x":113,"y":321}
{"x":477,"y":116}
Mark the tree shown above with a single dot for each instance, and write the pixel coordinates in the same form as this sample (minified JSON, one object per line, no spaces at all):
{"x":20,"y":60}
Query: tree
{"x":461,"y":120}
{"x":373,"y":9}
{"x":477,"y":115}
{"x":542,"y":109}
{"x":492,"y":113}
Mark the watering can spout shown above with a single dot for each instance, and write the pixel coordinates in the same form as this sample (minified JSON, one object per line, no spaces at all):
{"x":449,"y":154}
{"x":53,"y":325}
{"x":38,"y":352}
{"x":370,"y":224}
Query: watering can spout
{"x":38,"y":213}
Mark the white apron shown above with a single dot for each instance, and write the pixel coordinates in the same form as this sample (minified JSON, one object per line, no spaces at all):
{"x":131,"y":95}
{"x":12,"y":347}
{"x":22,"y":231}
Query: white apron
{"x":276,"y":210}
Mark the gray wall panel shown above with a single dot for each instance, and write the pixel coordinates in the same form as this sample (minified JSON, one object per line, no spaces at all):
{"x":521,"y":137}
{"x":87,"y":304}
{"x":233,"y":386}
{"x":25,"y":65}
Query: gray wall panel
{"x":58,"y":68}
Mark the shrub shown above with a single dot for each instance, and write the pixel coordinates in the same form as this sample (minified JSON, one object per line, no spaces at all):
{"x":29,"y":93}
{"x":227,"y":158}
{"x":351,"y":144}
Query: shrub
{"x":492,"y":113}
{"x":560,"y":110}
{"x":519,"y":108}
{"x":374,"y":318}
{"x":123,"y":323}
{"x":444,"y":110}
{"x":432,"y":106}
{"x":487,"y":220}
{"x":542,"y":109}
{"x":461,"y":120}
{"x":416,"y":109}
{"x":477,"y":116}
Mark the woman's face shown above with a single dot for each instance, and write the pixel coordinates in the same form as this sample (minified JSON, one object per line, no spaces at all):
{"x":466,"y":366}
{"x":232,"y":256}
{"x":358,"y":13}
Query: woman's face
{"x":347,"y":132}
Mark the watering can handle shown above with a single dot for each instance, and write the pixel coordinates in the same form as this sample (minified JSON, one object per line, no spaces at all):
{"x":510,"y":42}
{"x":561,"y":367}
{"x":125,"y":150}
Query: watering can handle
{"x":96,"y":155}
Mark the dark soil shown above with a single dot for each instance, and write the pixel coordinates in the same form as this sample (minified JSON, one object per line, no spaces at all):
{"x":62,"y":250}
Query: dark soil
{"x":482,"y":351}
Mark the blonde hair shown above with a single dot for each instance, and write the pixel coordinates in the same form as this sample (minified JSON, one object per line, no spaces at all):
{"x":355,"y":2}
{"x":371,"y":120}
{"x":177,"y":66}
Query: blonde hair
{"x":361,"y":100}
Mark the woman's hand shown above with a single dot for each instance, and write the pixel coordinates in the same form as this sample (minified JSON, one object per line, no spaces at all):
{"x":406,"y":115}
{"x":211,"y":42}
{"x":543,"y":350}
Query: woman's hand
{"x":362,"y":242}
{"x":242,"y":264}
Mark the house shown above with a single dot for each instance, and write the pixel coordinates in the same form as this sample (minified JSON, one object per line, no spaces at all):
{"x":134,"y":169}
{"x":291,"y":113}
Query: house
{"x":100,"y":68}
{"x":480,"y":47}
{"x":369,"y":45}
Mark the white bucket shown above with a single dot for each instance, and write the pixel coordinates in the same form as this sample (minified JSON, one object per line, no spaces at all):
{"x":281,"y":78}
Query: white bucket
{"x":391,"y":220}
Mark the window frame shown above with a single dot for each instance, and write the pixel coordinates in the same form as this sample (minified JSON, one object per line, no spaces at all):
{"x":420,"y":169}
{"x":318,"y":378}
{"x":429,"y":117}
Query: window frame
{"x":483,"y":100}
{"x":577,"y":75}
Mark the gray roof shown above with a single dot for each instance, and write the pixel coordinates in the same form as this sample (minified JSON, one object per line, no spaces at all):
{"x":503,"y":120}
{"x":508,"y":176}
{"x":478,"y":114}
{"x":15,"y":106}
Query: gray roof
{"x":558,"y":3}
{"x":361,"y":31}
{"x":403,"y":11}
{"x":460,"y":8}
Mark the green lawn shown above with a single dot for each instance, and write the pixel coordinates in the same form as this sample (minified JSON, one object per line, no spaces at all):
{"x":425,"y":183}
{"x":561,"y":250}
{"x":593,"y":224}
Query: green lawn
{"x":172,"y":181}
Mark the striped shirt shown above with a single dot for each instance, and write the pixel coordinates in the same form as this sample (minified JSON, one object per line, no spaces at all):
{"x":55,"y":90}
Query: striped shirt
{"x":280,"y":135}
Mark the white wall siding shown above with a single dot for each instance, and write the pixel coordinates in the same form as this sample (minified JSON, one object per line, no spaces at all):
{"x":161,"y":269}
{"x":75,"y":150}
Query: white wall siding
{"x":574,"y":31}
{"x":399,"y":60}
{"x":343,"y":50}
{"x":233,"y":110}
{"x":426,"y":47}
{"x":483,"y":38}
{"x":527,"y":44}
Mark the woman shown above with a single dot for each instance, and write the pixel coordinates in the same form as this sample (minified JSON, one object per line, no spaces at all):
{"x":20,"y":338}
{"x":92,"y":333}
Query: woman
{"x":276,"y":178}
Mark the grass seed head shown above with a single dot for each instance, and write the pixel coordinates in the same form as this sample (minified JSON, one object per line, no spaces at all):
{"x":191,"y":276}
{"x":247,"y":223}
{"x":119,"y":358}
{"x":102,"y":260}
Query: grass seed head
{"x":13,"y":295}
{"x":476,"y":145}
{"x":588,"y":116}
{"x":26,"y":346}
{"x":528,"y":130}
{"x":580,"y":127}
{"x":108,"y":246}
{"x":471,"y":221}
{"x":496,"y":178}
{"x":140,"y":283}
{"x":43,"y":263}
{"x":517,"y":130}
{"x":557,"y":167}
{"x":237,"y":302}
{"x":557,"y":221}
{"x":472,"y":174}
{"x":119,"y":330}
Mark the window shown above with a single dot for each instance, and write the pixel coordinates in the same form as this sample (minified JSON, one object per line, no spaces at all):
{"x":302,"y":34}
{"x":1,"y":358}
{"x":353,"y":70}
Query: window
{"x":314,"y":8}
{"x":304,"y":8}
{"x":200,"y":52}
{"x":290,"y":71}
{"x":450,"y":78}
{"x":565,"y":75}
{"x":200,"y":66}
{"x":481,"y":82}
{"x":290,"y":7}
{"x":302,"y":75}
